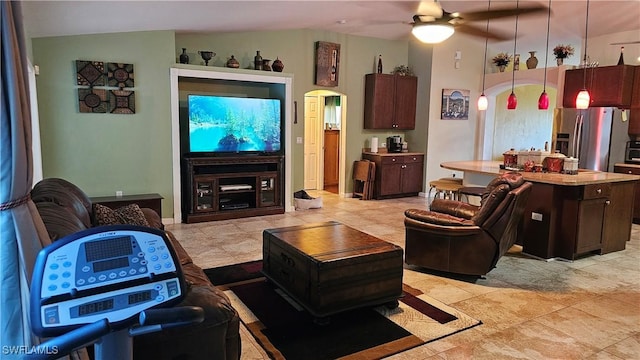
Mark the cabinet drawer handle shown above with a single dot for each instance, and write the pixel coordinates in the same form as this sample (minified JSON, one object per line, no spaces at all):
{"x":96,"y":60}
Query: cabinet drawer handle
{"x":393,"y":159}
{"x":607,"y":202}
{"x":414,"y":159}
{"x":630,"y":172}
{"x":598,"y":191}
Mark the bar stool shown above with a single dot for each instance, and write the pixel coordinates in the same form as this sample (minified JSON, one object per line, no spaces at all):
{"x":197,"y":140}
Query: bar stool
{"x":471,"y":191}
{"x":448,"y":189}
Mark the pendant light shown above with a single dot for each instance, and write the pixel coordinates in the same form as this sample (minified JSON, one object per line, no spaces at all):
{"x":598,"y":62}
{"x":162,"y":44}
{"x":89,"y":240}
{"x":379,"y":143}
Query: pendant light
{"x":483,"y":103}
{"x":583,"y":99}
{"x":543,"y":101}
{"x":512,"y":101}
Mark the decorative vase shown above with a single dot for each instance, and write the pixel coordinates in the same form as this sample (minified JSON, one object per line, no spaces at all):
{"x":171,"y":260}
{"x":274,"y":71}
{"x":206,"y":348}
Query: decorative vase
{"x":277,"y":65}
{"x":206,"y":56}
{"x":265,"y":65}
{"x":257,"y":61}
{"x":559,"y":61}
{"x":233,"y":63}
{"x":502,"y":67}
{"x":532,"y":61}
{"x":184,"y":58}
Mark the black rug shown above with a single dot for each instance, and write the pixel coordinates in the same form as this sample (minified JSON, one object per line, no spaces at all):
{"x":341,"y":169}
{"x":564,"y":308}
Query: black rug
{"x":285,"y":331}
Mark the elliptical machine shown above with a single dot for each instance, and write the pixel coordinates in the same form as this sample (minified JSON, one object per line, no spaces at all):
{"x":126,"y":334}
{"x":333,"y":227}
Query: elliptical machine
{"x":103,"y":286}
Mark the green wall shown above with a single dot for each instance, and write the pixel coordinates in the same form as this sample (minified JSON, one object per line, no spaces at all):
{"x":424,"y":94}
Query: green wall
{"x":103,"y":153}
{"x":296,"y":49}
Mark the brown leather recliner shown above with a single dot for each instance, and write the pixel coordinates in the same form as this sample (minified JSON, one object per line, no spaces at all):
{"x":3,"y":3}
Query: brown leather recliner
{"x":65,"y":209}
{"x":461,"y":238}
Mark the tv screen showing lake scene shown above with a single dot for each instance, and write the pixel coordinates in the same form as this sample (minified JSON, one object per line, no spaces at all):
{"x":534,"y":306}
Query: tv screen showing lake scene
{"x":233,"y":124}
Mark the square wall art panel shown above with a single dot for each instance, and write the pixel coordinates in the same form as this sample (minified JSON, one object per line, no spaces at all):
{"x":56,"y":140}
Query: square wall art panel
{"x":122,"y":102}
{"x":92,"y":100}
{"x":90,"y":73}
{"x":120,"y":75}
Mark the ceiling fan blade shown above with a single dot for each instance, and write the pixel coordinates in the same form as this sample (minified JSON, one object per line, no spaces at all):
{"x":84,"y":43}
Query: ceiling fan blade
{"x":480,"y":32}
{"x":502,"y":13}
{"x":625,"y":42}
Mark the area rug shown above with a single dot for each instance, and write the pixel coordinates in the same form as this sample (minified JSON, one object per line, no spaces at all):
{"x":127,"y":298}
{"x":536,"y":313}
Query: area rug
{"x":286,"y":331}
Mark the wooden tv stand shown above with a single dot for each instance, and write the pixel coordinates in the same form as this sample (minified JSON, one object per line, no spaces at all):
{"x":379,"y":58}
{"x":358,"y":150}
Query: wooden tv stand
{"x":220,"y":188}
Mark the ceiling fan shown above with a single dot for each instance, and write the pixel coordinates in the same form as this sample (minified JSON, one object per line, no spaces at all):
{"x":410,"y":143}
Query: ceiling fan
{"x":432,"y":24}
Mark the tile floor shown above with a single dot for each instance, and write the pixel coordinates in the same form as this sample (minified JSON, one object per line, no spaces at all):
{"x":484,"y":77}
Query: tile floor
{"x":530,"y":309}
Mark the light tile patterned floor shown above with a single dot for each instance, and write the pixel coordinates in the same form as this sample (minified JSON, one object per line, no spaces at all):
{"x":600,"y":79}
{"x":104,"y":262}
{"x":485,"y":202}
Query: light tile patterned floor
{"x":531,"y":309}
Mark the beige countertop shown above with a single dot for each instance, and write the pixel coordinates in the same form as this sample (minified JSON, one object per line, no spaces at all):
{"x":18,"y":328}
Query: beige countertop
{"x":392,"y":154}
{"x":584,"y":177}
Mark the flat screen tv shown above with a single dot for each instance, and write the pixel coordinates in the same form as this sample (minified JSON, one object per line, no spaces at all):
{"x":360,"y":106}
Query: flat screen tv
{"x":224,"y":124}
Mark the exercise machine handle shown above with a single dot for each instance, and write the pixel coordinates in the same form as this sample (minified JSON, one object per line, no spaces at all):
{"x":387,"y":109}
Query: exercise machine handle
{"x":75,"y":339}
{"x":172,"y":317}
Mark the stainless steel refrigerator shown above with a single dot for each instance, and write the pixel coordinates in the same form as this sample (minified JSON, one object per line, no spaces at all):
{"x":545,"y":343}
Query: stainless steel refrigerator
{"x":596,"y":136}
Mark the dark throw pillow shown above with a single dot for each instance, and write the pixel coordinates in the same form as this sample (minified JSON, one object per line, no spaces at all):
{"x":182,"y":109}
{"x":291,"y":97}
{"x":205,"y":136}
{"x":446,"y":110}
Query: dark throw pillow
{"x":126,"y":215}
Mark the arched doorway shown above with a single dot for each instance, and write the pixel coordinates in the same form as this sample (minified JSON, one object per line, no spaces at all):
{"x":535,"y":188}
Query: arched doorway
{"x":324,"y":140}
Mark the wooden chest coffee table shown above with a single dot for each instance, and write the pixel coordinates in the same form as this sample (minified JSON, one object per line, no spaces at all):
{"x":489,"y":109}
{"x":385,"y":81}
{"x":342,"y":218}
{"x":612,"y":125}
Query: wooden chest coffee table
{"x":330,"y":267}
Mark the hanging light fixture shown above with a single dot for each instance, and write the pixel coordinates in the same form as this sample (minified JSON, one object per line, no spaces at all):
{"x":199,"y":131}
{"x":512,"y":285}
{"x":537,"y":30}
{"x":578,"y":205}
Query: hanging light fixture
{"x":583,"y":99}
{"x":483,"y":103}
{"x":543,"y":101}
{"x":512,"y":101}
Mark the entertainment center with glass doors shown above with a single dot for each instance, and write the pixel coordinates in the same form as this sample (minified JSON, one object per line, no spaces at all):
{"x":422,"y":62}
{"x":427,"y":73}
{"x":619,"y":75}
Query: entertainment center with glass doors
{"x":232,"y":129}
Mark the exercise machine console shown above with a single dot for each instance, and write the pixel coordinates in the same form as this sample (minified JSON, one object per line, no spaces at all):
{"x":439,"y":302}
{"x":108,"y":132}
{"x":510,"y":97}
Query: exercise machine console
{"x":105,"y":285}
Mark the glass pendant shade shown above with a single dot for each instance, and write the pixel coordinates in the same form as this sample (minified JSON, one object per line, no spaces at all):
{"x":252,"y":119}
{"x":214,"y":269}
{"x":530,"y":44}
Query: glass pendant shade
{"x":512,"y":101}
{"x":543,"y":101}
{"x":432,"y":33}
{"x":483,"y":103}
{"x":583,"y":99}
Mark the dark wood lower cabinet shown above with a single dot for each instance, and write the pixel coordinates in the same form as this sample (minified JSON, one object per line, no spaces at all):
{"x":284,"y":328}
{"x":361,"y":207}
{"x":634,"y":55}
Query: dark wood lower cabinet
{"x":570,"y":221}
{"x":398,"y":174}
{"x":633,"y":170}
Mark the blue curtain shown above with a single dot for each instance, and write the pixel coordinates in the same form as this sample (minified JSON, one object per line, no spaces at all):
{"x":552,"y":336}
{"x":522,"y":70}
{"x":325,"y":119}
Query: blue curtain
{"x":22,"y":233}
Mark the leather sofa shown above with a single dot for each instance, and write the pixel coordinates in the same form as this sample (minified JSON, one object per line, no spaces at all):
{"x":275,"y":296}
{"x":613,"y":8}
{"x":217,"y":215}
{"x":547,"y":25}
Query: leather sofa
{"x":66,"y":209}
{"x":461,"y":238}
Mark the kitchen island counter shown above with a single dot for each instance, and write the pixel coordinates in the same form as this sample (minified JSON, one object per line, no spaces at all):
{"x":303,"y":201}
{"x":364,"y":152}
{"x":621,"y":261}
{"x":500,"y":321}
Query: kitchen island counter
{"x":584,"y":177}
{"x":567,"y":216}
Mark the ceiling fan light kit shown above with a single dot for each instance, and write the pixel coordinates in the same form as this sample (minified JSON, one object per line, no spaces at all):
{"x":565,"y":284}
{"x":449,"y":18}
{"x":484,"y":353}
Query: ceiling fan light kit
{"x":432,"y":33}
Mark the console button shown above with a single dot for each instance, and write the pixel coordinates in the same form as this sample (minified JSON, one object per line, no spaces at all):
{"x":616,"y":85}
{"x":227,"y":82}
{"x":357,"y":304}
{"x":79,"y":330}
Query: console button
{"x":92,"y":279}
{"x":134,"y":260}
{"x":102,"y":277}
{"x":86,"y":268}
{"x":80,"y":282}
{"x":54,"y":266}
{"x":67,"y":264}
{"x":65,"y":285}
{"x":122,"y":273}
{"x":66,"y":274}
{"x":113,"y":275}
{"x":52,"y":287}
{"x":53,"y":277}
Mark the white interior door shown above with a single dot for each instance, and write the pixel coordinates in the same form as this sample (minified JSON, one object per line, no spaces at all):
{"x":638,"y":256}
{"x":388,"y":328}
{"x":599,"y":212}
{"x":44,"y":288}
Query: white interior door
{"x":311,"y":146}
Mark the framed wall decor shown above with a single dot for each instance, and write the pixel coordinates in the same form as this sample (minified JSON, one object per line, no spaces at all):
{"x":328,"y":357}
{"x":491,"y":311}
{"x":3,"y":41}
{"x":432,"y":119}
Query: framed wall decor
{"x":455,"y":104}
{"x":327,"y":63}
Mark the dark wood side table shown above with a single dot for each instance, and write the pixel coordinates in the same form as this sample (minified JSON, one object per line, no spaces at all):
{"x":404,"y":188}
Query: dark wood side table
{"x":152,"y":201}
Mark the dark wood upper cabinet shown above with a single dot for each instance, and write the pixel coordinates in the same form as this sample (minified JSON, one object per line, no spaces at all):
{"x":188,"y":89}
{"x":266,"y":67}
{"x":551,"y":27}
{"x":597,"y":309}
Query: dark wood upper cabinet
{"x":390,"y":102}
{"x":608,"y":85}
{"x":635,"y":93}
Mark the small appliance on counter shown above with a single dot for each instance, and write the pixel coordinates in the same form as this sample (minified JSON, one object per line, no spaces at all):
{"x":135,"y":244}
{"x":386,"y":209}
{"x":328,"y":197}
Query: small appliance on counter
{"x":394,"y":144}
{"x":510,"y":159}
{"x":554,"y":162}
{"x":570,"y":166}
